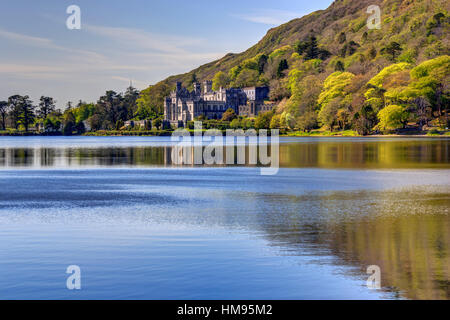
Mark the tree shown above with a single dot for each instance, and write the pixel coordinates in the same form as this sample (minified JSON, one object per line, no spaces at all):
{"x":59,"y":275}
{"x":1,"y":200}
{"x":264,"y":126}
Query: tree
{"x":80,"y":128}
{"x":52,"y":124}
{"x":312,"y":50}
{"x":262,"y":61}
{"x":26,"y":116}
{"x":279,"y":91}
{"x":282,"y":65}
{"x":342,"y":38}
{"x":3,"y":113}
{"x":14,"y":107}
{"x":375,"y":95}
{"x":229,"y":115}
{"x":236,"y":124}
{"x":83,"y":111}
{"x":342,"y":118}
{"x":46,"y":106}
{"x":364,"y":120}
{"x":68,"y":129}
{"x":336,"y":85}
{"x":349,"y":49}
{"x":263,"y":120}
{"x":392,"y":117}
{"x":328,"y":113}
{"x":435,"y":22}
{"x":364,"y":37}
{"x":22,"y":111}
{"x":275,"y":122}
{"x":307,"y":121}
{"x":129,"y":101}
{"x":234,"y":72}
{"x":422,"y":110}
{"x":220,"y":80}
{"x":150,"y":103}
{"x":430,"y":80}
{"x":69,"y":123}
{"x":373,"y":53}
{"x":339,"y":66}
{"x":157,"y":123}
{"x":95,"y":122}
{"x":246,"y":78}
{"x":111,"y":106}
{"x":393,"y":50}
{"x":287,"y":120}
{"x":304,"y":92}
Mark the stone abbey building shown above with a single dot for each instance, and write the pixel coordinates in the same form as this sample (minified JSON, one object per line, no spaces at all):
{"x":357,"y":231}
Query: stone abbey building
{"x":183,"y":105}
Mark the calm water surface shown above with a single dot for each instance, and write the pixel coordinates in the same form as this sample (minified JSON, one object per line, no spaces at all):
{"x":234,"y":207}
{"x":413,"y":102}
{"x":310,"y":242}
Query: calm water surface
{"x":141,"y":227}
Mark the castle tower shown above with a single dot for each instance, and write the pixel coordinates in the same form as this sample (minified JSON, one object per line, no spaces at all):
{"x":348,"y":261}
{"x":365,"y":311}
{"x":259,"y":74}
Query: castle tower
{"x":207,"y":86}
{"x":197,"y":88}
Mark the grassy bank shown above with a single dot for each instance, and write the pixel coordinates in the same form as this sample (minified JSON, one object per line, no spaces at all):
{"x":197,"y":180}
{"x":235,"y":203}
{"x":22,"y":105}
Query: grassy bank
{"x":317,"y":133}
{"x":162,"y":133}
{"x":118,"y":133}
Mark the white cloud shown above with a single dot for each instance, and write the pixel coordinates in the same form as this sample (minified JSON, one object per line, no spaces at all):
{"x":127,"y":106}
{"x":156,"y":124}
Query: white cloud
{"x":25,"y":39}
{"x":270,"y":17}
{"x":110,"y":57}
{"x":133,"y":50}
{"x":140,"y":39}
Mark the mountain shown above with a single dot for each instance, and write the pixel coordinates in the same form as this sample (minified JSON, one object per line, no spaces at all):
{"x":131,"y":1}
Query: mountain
{"x":348,"y":16}
{"x":298,"y":58}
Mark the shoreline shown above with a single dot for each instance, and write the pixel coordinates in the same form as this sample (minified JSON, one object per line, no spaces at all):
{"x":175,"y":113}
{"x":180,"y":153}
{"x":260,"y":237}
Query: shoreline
{"x":168,"y":134}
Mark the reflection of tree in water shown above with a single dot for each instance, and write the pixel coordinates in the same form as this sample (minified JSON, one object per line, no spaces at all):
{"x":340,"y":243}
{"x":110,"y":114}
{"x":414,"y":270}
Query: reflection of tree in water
{"x":365,"y":153}
{"x":51,"y":157}
{"x":404,"y":232}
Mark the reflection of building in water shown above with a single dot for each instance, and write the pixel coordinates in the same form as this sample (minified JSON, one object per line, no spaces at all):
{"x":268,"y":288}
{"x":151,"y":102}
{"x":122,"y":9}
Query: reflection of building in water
{"x":183,"y":105}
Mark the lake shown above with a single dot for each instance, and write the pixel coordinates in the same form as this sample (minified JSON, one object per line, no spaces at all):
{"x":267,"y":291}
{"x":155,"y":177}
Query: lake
{"x":141,"y":227}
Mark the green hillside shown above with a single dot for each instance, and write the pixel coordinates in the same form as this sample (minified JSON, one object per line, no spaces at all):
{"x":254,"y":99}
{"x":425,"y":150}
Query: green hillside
{"x":327,"y":69}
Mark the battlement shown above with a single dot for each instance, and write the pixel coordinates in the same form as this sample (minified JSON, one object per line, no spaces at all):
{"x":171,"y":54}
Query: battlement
{"x":184,"y":105}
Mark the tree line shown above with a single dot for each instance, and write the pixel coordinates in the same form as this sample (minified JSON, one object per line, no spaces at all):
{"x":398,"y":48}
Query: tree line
{"x":110,"y":112}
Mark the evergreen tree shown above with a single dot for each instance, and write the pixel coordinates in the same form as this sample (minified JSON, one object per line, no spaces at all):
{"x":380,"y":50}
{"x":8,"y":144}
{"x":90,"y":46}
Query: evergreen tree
{"x":339,"y":66}
{"x":111,"y":106}
{"x":26,"y":112}
{"x":342,"y":38}
{"x":14,"y":107}
{"x":393,"y":50}
{"x":129,"y":101}
{"x":312,"y":50}
{"x":22,"y":111}
{"x":282,"y":65}
{"x":46,"y":106}
{"x":262,"y":61}
{"x":373,"y":53}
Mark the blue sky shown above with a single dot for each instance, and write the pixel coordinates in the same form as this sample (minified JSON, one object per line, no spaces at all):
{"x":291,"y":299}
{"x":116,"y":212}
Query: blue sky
{"x":140,"y":40}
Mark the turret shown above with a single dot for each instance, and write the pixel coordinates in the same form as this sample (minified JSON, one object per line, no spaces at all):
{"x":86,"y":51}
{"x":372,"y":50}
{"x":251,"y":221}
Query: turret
{"x":207,"y":86}
{"x":197,"y":88}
